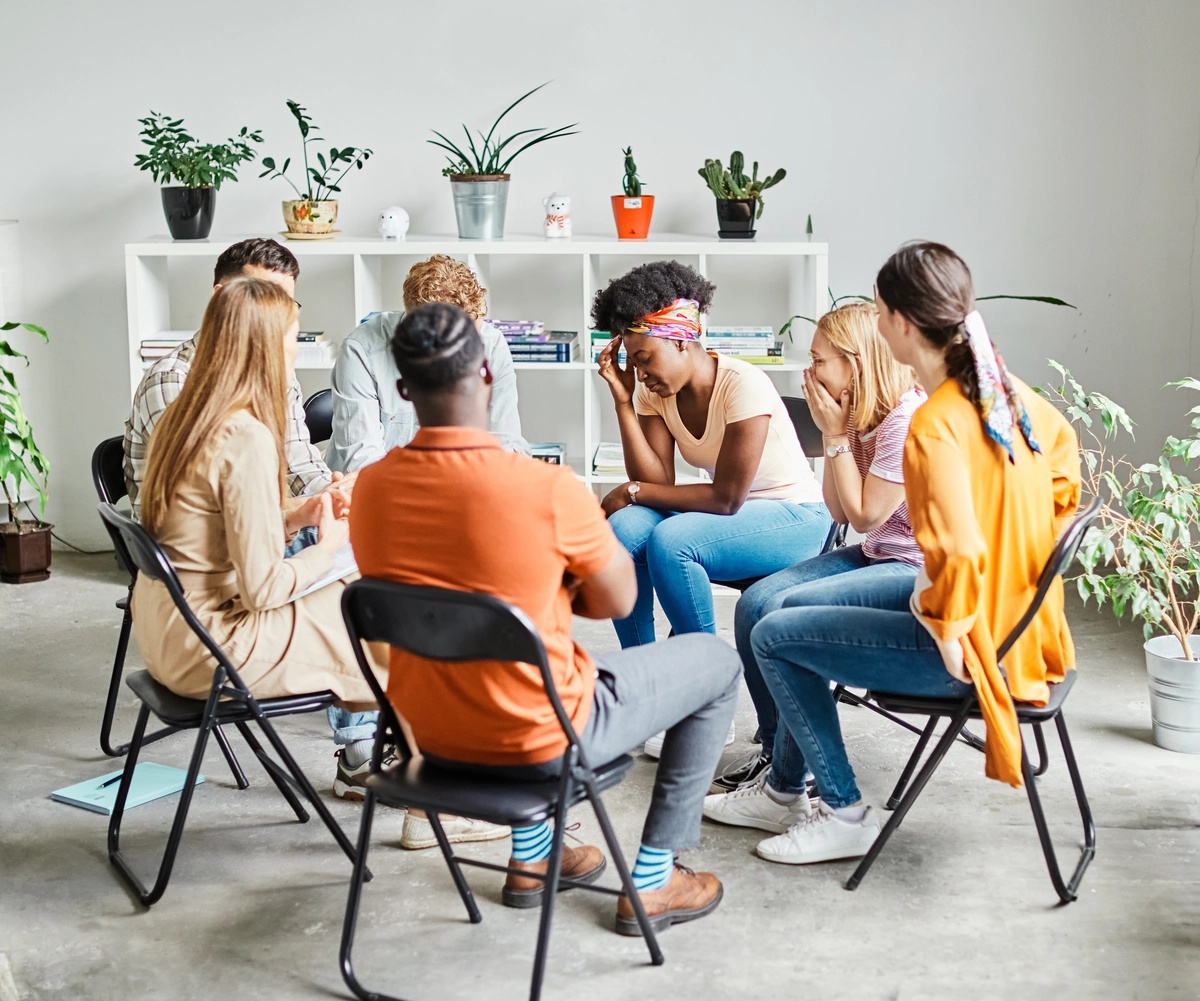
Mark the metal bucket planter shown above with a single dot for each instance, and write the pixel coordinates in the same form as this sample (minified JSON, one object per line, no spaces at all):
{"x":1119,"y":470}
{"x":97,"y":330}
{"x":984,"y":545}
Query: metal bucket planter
{"x":1174,"y":694}
{"x":480,"y":201}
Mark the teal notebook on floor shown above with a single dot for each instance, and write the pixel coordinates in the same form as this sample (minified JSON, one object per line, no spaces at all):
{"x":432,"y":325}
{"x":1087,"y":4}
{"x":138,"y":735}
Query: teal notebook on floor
{"x":150,"y":782}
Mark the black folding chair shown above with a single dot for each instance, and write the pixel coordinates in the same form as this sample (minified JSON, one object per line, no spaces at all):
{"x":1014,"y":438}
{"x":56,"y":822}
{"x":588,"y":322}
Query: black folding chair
{"x":318,"y":415}
{"x":228,"y":701}
{"x":958,"y":711}
{"x":452,"y":627}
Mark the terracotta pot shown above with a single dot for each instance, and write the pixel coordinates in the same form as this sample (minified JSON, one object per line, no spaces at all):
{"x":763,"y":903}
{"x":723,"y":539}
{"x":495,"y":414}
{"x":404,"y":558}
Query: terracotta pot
{"x":632,"y":216}
{"x":24,"y":556}
{"x":303,"y":216}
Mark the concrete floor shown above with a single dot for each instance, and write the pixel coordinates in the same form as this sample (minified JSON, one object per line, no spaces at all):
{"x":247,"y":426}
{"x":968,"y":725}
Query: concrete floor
{"x":958,"y":906}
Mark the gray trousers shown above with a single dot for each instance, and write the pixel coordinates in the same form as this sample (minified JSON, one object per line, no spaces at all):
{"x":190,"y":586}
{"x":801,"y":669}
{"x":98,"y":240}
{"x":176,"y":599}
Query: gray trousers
{"x":686,"y":685}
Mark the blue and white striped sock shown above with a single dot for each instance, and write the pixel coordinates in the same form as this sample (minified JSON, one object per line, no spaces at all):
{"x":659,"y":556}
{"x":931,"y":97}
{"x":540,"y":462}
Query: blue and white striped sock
{"x":653,"y":868}
{"x":531,"y":844}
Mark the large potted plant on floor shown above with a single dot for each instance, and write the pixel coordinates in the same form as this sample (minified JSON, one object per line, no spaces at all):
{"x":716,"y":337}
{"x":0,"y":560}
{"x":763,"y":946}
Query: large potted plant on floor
{"x":479,"y":174}
{"x":632,"y":210}
{"x":24,"y":544}
{"x":739,"y":197}
{"x":196,"y":168}
{"x":1143,"y":554}
{"x":312,"y":214}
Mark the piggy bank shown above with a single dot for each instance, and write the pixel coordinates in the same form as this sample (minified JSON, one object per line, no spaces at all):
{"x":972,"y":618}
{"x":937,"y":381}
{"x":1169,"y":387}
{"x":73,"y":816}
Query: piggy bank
{"x":393,"y":223}
{"x":558,"y":214}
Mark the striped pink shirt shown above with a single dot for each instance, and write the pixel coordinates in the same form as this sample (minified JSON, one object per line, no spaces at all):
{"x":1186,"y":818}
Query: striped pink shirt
{"x":881,"y":451}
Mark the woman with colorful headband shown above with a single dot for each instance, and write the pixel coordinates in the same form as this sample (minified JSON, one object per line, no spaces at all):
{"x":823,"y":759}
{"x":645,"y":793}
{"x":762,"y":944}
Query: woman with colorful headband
{"x":762,"y":510}
{"x":991,"y":477}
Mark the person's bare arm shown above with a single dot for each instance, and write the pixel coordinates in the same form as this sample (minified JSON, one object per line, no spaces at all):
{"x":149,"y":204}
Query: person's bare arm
{"x":608,"y":594}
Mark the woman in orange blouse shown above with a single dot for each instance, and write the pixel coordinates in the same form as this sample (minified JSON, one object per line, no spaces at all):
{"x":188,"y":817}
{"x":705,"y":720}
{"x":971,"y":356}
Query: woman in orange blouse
{"x":991,"y":475}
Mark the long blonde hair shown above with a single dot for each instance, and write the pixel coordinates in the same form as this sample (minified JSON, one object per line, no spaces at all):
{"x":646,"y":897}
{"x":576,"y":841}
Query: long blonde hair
{"x":239,"y":365}
{"x":853,"y":331}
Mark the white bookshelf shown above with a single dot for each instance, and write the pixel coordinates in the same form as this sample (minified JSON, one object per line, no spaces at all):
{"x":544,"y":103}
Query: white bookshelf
{"x":565,"y":402}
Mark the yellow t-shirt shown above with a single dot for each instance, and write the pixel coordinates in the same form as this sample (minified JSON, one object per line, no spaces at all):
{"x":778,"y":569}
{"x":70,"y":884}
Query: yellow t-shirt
{"x":742,"y":391}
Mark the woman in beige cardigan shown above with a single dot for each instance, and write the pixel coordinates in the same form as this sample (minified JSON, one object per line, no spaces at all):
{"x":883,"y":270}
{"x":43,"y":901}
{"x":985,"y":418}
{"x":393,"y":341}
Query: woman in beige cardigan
{"x":215,"y":499}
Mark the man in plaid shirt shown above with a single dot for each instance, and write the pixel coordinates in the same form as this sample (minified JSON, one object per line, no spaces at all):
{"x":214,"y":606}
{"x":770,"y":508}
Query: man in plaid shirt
{"x":307,"y":473}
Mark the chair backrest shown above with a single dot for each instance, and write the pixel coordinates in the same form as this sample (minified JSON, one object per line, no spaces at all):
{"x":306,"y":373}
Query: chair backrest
{"x":443,"y":625}
{"x":318,"y":415}
{"x":148,"y":558}
{"x":806,"y":428}
{"x":1058,"y":563}
{"x":108,"y":475}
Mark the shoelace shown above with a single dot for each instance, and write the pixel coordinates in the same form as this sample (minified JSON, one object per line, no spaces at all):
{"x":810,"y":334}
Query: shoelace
{"x":751,"y":788}
{"x":749,"y":765}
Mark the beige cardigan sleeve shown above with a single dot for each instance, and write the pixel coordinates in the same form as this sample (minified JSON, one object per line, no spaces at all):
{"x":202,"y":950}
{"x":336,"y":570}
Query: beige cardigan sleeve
{"x":247,"y":485}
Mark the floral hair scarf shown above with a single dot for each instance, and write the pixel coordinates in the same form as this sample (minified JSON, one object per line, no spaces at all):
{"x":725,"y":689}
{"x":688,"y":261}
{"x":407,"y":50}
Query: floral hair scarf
{"x":680,"y":321}
{"x":999,"y":405}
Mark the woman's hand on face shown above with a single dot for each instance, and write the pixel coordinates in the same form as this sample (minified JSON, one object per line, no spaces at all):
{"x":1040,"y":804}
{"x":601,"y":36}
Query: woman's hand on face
{"x":830,"y":415}
{"x":616,"y":499}
{"x":332,"y":532}
{"x":621,"y":381}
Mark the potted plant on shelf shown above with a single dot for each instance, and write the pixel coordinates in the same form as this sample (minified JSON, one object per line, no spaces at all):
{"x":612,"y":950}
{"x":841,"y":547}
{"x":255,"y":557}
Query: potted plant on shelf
{"x":1141,"y":556}
{"x":312,"y":214}
{"x":197,"y":168}
{"x":739,"y":198}
{"x":632,"y":210}
{"x":24,"y":545}
{"x":479,"y":175}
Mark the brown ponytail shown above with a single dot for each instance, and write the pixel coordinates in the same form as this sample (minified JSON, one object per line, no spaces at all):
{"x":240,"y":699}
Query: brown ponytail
{"x":930,"y":285}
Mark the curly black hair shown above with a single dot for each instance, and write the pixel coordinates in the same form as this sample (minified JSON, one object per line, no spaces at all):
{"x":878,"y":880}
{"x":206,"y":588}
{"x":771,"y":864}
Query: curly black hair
{"x":435,"y":346}
{"x":647,"y":289}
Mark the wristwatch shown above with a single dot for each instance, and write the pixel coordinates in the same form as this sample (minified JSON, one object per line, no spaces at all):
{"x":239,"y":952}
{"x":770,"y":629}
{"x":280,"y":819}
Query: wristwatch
{"x":633,"y":489}
{"x":832,"y":451}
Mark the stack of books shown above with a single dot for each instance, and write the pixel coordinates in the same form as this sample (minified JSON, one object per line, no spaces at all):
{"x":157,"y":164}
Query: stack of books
{"x":528,"y":340}
{"x":314,"y":351}
{"x":549,"y":451}
{"x":755,"y":345}
{"x":609,"y":459}
{"x":162,"y":344}
{"x":600,"y":339}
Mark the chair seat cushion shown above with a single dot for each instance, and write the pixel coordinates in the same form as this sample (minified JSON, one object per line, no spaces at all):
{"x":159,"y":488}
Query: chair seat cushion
{"x":423,"y":786}
{"x":176,"y":710}
{"x":926,"y":705}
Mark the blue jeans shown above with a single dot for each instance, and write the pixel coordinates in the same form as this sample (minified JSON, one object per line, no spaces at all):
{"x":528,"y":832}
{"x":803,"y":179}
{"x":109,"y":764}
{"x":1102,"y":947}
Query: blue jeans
{"x":303,"y":539}
{"x":677,"y":555}
{"x":876,"y":643}
{"x":807,"y":583}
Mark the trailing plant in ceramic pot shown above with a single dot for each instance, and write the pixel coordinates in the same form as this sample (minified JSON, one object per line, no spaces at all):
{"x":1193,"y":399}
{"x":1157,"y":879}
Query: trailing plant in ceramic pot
{"x":1142,"y":556}
{"x":24,"y":544}
{"x":632,"y":210}
{"x":739,"y":197}
{"x":312,"y":214}
{"x":479,"y":173}
{"x":196,"y":168}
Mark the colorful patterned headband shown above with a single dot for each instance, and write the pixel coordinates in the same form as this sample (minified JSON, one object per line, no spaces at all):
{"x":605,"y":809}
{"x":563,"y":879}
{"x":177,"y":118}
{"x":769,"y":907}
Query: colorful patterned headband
{"x":999,"y":405}
{"x":680,"y":321}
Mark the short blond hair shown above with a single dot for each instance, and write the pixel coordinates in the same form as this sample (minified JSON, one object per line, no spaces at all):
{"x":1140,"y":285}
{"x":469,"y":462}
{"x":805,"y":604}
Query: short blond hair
{"x":852,"y":329}
{"x":443,"y":279}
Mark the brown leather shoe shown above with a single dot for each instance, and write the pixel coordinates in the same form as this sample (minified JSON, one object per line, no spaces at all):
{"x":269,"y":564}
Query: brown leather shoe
{"x":689,"y":895}
{"x":584,"y":864}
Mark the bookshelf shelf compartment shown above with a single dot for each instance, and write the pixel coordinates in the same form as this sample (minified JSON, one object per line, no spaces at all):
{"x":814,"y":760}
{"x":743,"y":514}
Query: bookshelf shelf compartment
{"x":358,"y":269}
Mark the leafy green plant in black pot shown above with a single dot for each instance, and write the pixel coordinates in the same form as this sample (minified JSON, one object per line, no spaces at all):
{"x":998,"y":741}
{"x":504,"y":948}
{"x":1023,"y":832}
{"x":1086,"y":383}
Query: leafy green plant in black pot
{"x":739,"y":197}
{"x":197,"y":170}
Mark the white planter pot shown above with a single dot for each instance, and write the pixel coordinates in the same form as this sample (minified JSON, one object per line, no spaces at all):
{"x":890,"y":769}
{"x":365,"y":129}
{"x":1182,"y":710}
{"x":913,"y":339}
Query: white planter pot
{"x":1174,"y":694}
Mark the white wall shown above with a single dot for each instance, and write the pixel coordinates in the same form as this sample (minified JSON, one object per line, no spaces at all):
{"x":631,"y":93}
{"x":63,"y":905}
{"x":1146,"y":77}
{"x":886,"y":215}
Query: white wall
{"x":1053,"y":144}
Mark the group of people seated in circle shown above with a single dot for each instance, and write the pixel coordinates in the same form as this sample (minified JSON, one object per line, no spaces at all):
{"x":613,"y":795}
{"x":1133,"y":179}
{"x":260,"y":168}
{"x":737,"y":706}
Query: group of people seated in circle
{"x":954,"y":474}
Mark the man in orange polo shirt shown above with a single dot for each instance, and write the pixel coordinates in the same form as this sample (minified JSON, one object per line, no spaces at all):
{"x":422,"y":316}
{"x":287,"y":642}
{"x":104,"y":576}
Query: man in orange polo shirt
{"x":454,"y":509}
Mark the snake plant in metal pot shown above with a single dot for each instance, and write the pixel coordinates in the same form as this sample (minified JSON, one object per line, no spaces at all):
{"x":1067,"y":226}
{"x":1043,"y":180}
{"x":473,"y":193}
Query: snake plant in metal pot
{"x":739,"y":196}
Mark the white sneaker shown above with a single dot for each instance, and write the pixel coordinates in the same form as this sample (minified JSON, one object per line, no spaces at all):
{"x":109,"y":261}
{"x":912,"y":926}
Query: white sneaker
{"x":821,"y":837}
{"x":750,"y":805}
{"x":653,"y":747}
{"x":418,"y":831}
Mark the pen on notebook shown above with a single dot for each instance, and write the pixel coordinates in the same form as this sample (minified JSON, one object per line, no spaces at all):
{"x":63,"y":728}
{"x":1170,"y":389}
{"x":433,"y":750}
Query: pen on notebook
{"x":107,"y":782}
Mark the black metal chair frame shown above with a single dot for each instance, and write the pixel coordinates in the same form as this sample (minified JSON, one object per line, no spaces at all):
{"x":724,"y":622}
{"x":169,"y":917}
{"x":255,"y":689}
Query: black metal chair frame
{"x":229,"y":701}
{"x":453,"y":627}
{"x":318,"y":415}
{"x":958,"y":711}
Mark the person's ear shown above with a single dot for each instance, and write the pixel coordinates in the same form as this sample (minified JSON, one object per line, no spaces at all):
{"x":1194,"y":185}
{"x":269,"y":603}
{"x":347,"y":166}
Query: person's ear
{"x":402,"y":390}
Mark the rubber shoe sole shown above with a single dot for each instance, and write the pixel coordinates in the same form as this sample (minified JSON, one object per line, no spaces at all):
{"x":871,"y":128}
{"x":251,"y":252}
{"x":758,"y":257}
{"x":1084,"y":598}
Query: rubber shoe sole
{"x":661,"y":922}
{"x":533,"y":898}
